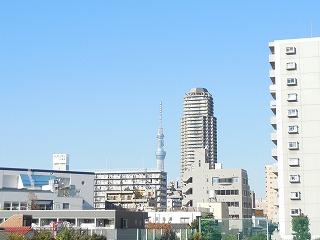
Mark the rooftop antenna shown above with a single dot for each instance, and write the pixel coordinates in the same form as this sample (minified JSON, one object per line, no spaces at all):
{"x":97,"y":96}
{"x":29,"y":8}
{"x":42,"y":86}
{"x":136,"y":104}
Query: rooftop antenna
{"x":311,"y":28}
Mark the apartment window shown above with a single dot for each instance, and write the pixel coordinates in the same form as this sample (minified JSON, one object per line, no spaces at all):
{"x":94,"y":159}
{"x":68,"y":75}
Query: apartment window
{"x":294,"y":178}
{"x":233,"y":204}
{"x":292,"y":129}
{"x":65,"y":206}
{"x":292,"y":113}
{"x":124,"y":223}
{"x":215,"y":180}
{"x":290,"y":50}
{"x":295,"y":195}
{"x":23,"y":206}
{"x":291,"y":81}
{"x":294,"y":162}
{"x":293,"y":145}
{"x":227,"y":192}
{"x":295,"y":212}
{"x":291,"y":66}
{"x":225,"y":180}
{"x":7,"y":206}
{"x":292,"y":97}
{"x":15,"y":206}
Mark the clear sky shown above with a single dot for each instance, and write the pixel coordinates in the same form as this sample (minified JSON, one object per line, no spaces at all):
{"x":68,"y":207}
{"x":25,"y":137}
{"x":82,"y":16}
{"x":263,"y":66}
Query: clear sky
{"x":86,"y":78}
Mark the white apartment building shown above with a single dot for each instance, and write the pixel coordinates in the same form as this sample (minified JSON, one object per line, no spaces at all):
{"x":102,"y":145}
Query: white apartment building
{"x":198,"y":128}
{"x":136,"y":189}
{"x":271,"y":185}
{"x":295,"y":89}
{"x":60,"y":162}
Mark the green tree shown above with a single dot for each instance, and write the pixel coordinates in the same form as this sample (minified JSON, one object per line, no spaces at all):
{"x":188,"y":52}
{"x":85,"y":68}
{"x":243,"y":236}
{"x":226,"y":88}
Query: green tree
{"x":195,"y":224}
{"x":210,"y":230}
{"x":260,"y":236}
{"x":42,"y":235}
{"x":66,"y":234}
{"x":229,"y":237}
{"x":16,"y":237}
{"x":300,"y":227}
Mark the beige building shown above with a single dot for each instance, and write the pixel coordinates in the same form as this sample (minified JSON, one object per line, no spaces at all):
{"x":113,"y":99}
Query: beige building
{"x":202,"y":184}
{"x":295,"y":91}
{"x":271,"y":207}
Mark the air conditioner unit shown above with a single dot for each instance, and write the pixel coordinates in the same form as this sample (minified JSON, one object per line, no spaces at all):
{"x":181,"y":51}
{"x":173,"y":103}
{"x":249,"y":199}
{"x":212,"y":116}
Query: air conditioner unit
{"x":290,"y":50}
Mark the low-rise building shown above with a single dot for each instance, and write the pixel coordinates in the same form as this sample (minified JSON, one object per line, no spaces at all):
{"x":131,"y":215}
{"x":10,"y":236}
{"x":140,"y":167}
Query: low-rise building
{"x":23,"y":189}
{"x":203,"y":184}
{"x":136,"y":189}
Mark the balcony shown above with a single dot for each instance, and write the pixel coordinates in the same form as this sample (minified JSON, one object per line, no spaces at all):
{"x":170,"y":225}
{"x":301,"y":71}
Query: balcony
{"x":290,"y":50}
{"x":291,"y":66}
{"x":292,"y":97}
{"x":274,"y":137}
{"x":188,"y":191}
{"x":294,"y":178}
{"x":295,"y":212}
{"x":271,"y":58}
{"x":273,"y":122}
{"x":272,"y":89}
{"x":292,"y":113}
{"x":294,"y":162}
{"x":293,"y":145}
{"x":274,"y":153}
{"x":273,"y":106}
{"x":295,"y":195}
{"x":272,"y":76}
{"x":275,"y":185}
{"x":187,"y":180}
{"x":271,"y":47}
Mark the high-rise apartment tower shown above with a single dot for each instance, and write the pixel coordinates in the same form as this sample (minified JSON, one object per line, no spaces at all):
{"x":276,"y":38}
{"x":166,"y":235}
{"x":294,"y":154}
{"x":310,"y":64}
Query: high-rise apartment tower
{"x":198,"y":128}
{"x":295,"y":89}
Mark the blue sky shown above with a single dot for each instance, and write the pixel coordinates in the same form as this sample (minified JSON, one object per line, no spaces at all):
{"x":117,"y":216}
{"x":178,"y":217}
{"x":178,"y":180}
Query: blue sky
{"x":86,"y":78}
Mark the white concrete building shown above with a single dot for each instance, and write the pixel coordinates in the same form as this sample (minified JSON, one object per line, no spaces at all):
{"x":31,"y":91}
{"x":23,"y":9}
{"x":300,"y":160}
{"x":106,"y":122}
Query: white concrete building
{"x":28,"y":189}
{"x":135,"y":189}
{"x":60,"y":161}
{"x":198,"y":128}
{"x":295,"y":89}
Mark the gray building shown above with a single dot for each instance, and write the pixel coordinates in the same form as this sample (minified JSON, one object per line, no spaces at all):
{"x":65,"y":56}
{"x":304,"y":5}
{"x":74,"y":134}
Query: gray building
{"x":198,"y":128}
{"x":202,"y":184}
{"x":22,"y":189}
{"x":114,"y":224}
